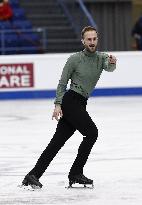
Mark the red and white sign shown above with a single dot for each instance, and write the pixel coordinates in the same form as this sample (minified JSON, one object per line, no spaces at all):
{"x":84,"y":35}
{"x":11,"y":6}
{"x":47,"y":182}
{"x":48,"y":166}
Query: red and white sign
{"x":16,"y":75}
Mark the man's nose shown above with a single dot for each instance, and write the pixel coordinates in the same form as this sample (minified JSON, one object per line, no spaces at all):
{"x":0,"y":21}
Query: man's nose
{"x":92,"y":41}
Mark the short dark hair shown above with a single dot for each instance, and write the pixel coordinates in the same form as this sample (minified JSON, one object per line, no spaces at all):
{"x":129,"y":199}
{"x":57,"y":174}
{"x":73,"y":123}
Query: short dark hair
{"x":87,"y":28}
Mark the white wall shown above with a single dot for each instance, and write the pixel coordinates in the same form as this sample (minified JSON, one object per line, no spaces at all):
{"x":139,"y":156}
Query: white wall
{"x":128,"y":72}
{"x":48,"y":67}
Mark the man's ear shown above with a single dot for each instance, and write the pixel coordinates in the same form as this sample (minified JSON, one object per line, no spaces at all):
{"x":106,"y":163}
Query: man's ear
{"x":82,"y":40}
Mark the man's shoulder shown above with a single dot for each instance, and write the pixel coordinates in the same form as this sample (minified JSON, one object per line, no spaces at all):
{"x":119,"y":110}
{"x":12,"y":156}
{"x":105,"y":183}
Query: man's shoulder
{"x":75,"y":57}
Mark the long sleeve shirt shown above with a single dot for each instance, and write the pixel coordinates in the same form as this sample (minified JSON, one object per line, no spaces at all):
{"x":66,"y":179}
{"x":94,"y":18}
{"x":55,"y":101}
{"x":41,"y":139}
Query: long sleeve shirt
{"x":83,"y":69}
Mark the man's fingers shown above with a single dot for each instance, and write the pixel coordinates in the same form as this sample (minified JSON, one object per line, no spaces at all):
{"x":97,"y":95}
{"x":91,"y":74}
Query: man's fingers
{"x":112,"y":59}
{"x":55,"y":115}
{"x":52,"y":117}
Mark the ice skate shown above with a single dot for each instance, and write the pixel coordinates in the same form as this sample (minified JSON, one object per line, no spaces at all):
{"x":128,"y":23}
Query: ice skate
{"x":31,"y":180}
{"x":80,"y":179}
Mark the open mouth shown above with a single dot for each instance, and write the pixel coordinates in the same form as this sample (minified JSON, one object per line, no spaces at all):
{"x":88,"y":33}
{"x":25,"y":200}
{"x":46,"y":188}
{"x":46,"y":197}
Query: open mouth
{"x":92,"y":46}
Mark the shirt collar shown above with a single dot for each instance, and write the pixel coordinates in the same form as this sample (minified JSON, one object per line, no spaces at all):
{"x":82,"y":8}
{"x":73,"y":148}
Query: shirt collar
{"x":87,"y":53}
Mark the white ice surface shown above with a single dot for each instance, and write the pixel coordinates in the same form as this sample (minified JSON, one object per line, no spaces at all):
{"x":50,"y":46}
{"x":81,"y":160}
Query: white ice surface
{"x":115,"y":163}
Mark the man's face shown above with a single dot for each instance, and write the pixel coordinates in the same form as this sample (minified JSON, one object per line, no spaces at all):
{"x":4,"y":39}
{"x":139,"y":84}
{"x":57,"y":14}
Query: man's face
{"x":90,"y":41}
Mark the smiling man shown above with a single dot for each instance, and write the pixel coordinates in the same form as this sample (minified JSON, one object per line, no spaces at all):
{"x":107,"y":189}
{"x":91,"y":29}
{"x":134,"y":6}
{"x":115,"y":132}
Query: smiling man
{"x":90,"y":39}
{"x":84,"y":69}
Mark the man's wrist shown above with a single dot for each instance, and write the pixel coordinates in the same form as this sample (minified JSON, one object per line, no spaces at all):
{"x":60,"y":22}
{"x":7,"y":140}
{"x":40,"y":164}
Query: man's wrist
{"x":57,"y":105}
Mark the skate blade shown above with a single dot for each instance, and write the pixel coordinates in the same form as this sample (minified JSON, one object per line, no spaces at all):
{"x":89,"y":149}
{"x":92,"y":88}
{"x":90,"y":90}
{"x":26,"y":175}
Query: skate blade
{"x":29,"y":188}
{"x":80,"y":187}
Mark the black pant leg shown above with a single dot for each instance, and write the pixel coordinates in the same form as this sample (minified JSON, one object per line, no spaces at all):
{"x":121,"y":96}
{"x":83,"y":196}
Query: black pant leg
{"x":90,"y":132}
{"x":63,"y":132}
{"x":75,"y":112}
{"x":83,"y":154}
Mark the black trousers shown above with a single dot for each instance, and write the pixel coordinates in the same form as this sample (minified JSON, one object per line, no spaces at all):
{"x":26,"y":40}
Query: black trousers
{"x":75,"y":117}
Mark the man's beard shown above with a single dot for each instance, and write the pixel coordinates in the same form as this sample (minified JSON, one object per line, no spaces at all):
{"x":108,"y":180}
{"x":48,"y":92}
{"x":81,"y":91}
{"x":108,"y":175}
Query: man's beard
{"x":91,"y":48}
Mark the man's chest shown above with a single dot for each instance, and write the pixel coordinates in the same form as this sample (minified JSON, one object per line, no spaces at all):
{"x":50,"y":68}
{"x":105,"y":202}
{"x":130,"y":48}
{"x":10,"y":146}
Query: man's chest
{"x":89,"y":68}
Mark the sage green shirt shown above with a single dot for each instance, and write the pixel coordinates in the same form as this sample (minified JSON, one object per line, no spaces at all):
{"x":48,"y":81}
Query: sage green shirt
{"x":83,"y":69}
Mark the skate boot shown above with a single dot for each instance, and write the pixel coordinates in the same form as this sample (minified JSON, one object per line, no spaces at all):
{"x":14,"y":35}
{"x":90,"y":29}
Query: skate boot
{"x":80,"y":179}
{"x":32,"y":181}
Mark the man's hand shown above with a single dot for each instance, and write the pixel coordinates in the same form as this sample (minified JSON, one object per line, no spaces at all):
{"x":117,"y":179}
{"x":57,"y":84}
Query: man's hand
{"x":112,"y":59}
{"x":57,"y":112}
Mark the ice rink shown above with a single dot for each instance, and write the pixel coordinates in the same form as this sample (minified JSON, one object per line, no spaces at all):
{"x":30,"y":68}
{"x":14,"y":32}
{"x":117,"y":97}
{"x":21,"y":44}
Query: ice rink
{"x":115,"y":163}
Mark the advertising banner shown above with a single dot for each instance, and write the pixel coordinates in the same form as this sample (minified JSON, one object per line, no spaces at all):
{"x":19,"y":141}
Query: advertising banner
{"x":16,"y":75}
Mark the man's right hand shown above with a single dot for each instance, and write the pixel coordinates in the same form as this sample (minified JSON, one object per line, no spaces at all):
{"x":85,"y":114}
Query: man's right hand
{"x":57,"y":113}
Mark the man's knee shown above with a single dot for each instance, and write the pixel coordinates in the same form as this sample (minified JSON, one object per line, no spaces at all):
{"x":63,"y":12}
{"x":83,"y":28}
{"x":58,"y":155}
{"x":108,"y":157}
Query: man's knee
{"x":92,"y":133}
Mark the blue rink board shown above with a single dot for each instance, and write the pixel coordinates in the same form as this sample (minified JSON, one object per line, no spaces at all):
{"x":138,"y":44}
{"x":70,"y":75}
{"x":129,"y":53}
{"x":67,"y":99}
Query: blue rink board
{"x":41,"y":94}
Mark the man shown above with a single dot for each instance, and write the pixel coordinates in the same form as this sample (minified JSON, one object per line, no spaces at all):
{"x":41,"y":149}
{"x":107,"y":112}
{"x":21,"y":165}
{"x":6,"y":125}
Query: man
{"x":84,"y":69}
{"x":137,"y":34}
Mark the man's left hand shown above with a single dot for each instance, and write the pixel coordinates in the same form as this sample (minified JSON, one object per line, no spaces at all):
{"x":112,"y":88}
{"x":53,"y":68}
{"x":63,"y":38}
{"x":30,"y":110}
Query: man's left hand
{"x":112,"y":59}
